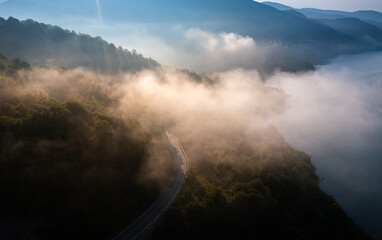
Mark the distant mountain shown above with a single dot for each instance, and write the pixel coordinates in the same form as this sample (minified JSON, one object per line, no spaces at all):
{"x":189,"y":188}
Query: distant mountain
{"x":365,"y":15}
{"x":245,"y":17}
{"x":356,"y":28}
{"x":365,"y":25}
{"x":319,"y":14}
{"x":334,"y":14}
{"x":376,"y":23}
{"x":42,"y":44}
{"x":278,"y":6}
{"x":305,"y":38}
{"x":306,"y":41}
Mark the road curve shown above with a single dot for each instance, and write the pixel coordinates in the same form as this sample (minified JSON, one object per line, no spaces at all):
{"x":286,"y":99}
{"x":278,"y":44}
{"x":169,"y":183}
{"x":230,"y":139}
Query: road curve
{"x":148,"y":218}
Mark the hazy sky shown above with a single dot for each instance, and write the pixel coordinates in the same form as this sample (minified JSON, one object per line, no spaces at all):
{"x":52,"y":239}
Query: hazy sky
{"x":348,"y":5}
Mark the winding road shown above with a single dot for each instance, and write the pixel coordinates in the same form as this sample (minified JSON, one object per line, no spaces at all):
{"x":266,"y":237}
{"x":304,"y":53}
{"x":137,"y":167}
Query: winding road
{"x":148,"y":218}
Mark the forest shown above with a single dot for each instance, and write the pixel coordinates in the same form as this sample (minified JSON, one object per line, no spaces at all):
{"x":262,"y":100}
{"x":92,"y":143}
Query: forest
{"x":70,"y":167}
{"x":75,"y":164}
{"x":47,"y":45}
{"x":256,"y":186}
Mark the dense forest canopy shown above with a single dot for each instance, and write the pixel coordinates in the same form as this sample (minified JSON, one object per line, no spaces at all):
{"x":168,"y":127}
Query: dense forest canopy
{"x":70,"y":166}
{"x":84,"y":154}
{"x":42,"y":44}
{"x":258,"y":186}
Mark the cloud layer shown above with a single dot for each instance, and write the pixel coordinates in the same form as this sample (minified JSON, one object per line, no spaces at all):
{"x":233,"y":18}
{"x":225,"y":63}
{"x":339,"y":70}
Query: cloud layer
{"x":335,"y":115}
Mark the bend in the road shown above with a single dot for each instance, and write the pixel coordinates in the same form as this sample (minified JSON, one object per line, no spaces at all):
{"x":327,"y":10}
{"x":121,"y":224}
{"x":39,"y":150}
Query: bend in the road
{"x":148,"y":218}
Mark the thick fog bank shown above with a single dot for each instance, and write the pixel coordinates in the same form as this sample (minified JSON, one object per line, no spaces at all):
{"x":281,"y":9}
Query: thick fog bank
{"x":335,"y":114}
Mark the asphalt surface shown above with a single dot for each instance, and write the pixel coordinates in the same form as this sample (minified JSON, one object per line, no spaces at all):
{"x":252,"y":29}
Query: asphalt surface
{"x":148,"y":218}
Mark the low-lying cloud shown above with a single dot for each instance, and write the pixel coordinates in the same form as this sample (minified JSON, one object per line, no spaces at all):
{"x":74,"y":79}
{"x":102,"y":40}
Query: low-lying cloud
{"x":335,"y":115}
{"x":206,"y":51}
{"x":187,"y":47}
{"x":223,"y":42}
{"x":237,"y":97}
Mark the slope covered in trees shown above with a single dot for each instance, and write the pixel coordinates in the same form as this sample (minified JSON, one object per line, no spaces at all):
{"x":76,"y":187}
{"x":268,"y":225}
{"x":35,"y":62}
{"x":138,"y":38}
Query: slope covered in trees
{"x":74,"y":165}
{"x":253,"y":187}
{"x":11,"y":66}
{"x":70,"y":166}
{"x":356,"y":28}
{"x":42,"y":44}
{"x":305,"y":39}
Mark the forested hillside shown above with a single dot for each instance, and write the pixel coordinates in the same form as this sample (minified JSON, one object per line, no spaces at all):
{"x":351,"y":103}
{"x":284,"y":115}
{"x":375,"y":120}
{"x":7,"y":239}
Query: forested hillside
{"x":82,"y":156}
{"x":253,"y":187}
{"x":42,"y":44}
{"x":306,"y":41}
{"x":70,"y":166}
{"x":356,"y":28}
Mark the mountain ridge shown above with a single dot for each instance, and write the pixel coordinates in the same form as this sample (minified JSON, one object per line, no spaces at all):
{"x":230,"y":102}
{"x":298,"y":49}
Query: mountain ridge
{"x":365,"y":15}
{"x":49,"y":45}
{"x":263,"y":23}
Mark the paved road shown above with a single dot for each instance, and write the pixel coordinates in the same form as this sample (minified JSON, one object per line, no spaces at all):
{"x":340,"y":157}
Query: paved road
{"x":145,"y":221}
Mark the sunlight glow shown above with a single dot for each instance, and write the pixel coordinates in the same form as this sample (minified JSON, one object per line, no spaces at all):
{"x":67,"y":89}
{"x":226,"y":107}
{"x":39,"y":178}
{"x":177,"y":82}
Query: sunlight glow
{"x":99,"y":10}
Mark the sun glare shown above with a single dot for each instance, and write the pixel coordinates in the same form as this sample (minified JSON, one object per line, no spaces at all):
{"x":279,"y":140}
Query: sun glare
{"x":99,"y":10}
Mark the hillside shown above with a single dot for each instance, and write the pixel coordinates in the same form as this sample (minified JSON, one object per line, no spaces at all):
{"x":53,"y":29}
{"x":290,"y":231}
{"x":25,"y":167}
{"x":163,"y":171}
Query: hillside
{"x":263,"y":23}
{"x":42,"y":44}
{"x":245,"y":17}
{"x":369,"y":16}
{"x":75,"y":165}
{"x":279,"y":6}
{"x":70,"y":165}
{"x":71,"y":169}
{"x":253,"y":187}
{"x":9,"y":67}
{"x":83,"y":150}
{"x":356,"y":28}
{"x":361,"y":25}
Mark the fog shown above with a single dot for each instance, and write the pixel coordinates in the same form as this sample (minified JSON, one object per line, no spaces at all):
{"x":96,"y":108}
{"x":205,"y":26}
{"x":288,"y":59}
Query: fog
{"x":184,"y":46}
{"x":335,"y":115}
{"x":188,"y":47}
{"x":236,"y":97}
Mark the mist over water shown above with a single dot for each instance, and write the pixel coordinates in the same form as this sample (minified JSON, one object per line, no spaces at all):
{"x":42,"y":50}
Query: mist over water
{"x":335,"y":115}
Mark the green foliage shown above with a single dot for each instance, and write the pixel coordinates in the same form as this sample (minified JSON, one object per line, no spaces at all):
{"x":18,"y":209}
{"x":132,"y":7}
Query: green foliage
{"x":253,"y":187}
{"x":70,"y":164}
{"x":18,"y":64}
{"x":4,"y":65}
{"x":38,"y":42}
{"x":11,"y":67}
{"x":2,"y":56}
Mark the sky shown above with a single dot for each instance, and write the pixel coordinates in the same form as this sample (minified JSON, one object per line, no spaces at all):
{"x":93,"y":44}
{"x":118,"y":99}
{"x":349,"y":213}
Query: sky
{"x":346,"y":5}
